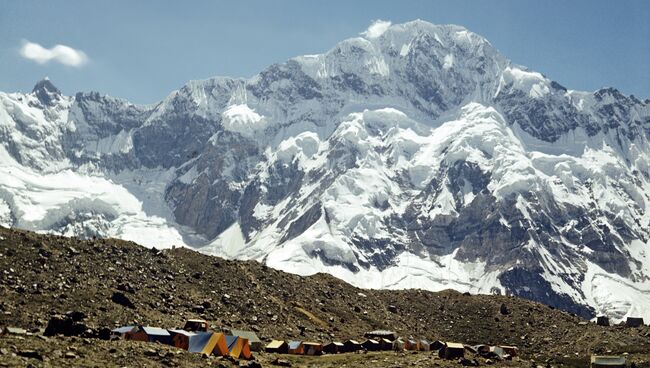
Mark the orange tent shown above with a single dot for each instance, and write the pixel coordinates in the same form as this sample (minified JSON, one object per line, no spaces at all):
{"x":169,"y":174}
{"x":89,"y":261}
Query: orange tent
{"x":238,"y":347}
{"x":220,"y":347}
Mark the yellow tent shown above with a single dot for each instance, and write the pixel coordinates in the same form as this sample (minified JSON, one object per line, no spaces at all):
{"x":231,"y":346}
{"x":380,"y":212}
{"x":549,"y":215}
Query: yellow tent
{"x":238,"y":347}
{"x":220,"y":347}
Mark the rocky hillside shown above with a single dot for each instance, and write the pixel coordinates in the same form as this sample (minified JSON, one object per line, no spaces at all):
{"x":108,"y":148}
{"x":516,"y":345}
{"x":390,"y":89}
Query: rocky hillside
{"x":110,"y":282}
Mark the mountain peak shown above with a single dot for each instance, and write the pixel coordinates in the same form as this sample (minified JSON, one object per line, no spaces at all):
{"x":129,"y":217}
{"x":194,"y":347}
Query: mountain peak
{"x":46,"y":92}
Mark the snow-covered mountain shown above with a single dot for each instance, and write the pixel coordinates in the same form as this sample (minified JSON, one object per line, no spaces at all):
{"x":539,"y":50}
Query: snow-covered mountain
{"x":416,"y":157}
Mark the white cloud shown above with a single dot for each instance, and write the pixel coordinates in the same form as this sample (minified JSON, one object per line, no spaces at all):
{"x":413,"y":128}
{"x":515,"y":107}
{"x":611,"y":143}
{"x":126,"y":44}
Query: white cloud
{"x":376,"y":29}
{"x":60,"y":53}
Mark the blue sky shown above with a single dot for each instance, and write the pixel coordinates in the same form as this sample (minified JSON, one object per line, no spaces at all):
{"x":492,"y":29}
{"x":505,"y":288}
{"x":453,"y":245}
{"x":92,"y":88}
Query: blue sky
{"x":142,"y":50}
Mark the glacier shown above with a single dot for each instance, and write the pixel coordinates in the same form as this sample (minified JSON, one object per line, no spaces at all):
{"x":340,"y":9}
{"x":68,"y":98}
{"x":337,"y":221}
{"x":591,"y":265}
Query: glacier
{"x":412,"y":156}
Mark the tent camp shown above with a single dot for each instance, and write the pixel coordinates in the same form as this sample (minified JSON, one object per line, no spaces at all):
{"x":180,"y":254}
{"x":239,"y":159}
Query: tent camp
{"x":312,"y":348}
{"x":452,"y":350}
{"x":121,"y":331}
{"x":351,"y":346}
{"x":608,"y":361}
{"x":333,"y":348}
{"x":150,"y":334}
{"x":238,"y":347}
{"x":371,"y":345}
{"x":277,"y":346}
{"x":295,"y":347}
{"x":254,"y":341}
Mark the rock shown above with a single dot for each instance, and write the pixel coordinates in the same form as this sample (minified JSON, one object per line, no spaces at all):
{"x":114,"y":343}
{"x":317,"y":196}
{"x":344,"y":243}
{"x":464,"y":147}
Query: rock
{"x":70,"y":355}
{"x":281,"y":362}
{"x":150,"y":352}
{"x":253,"y":364}
{"x":76,"y":316}
{"x":126,"y":288}
{"x":32,"y":354}
{"x":122,"y":299}
{"x":504,"y":309}
{"x":468,"y":363}
{"x":15,"y":331}
{"x":64,"y":325}
{"x":104,"y":333}
{"x":392,"y":309}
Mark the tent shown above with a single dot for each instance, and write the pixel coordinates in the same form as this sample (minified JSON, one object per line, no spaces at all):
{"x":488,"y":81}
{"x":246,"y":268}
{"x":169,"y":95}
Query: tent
{"x":425,"y":345}
{"x":220,"y":347}
{"x":495,"y":352}
{"x":277,"y":346}
{"x":196,"y":325}
{"x":452,"y":350}
{"x":602,"y":321}
{"x":436,"y":345}
{"x":513,"y":351}
{"x":238,"y":347}
{"x":295,"y":347}
{"x":333,"y":348}
{"x":207,"y":343}
{"x":385,"y":344}
{"x":312,"y":348}
{"x":411,"y":344}
{"x":351,"y":346}
{"x":253,"y":340}
{"x":398,"y":344}
{"x":371,"y":345}
{"x":381,"y":334}
{"x":150,"y":334}
{"x":181,"y":338}
{"x":608,"y":361}
{"x":634,"y":322}
{"x":122,"y":331}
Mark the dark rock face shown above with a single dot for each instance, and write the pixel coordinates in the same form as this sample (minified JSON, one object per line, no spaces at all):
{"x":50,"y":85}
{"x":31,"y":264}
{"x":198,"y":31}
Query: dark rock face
{"x":530,"y":285}
{"x":46,"y":92}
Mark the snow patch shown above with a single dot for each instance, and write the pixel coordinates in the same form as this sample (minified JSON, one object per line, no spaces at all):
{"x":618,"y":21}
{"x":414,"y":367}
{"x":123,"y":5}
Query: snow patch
{"x":242,"y":119}
{"x":376,"y":29}
{"x":532,"y":83}
{"x":448,"y":61}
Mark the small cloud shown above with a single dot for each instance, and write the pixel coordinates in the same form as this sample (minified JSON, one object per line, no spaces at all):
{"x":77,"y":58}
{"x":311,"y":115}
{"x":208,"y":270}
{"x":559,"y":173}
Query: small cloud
{"x":65,"y":55}
{"x":376,"y":29}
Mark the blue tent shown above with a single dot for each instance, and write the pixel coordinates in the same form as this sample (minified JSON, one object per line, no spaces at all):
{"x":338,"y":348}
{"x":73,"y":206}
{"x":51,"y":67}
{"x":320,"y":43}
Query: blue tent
{"x":155,"y":334}
{"x":230,"y":341}
{"x":198,"y":341}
